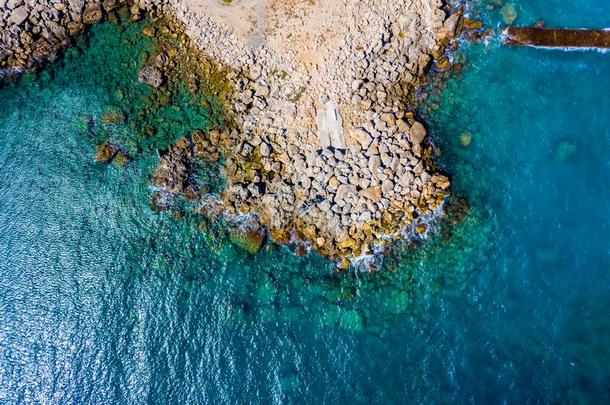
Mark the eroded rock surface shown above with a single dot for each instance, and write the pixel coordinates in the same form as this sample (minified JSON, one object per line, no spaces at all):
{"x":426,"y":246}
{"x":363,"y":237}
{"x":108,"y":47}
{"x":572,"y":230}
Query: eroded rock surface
{"x":322,"y":150}
{"x":324,"y":146}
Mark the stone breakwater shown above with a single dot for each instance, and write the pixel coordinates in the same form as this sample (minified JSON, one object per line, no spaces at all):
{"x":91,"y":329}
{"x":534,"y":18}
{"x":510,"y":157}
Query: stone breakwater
{"x":321,"y":148}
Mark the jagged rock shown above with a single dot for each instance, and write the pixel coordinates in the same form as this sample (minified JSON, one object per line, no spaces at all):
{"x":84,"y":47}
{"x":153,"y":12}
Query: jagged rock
{"x":387,"y":187}
{"x":161,"y":60}
{"x":92,"y":13}
{"x":120,"y":159}
{"x":333,"y":183}
{"x":441,"y":181}
{"x":386,"y":159}
{"x":58,"y":31}
{"x":74,"y":27}
{"x":104,"y":152}
{"x":265,"y":149}
{"x":151,"y":76}
{"x":417,"y":133}
{"x":402,"y":125}
{"x":76,"y":5}
{"x":172,"y":173}
{"x":262,"y":90}
{"x":374,"y":164}
{"x":109,"y":4}
{"x":372,"y":193}
{"x":344,"y":191}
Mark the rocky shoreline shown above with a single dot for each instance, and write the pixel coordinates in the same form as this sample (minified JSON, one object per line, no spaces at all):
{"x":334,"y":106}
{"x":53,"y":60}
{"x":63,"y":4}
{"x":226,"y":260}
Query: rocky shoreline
{"x":321,"y":149}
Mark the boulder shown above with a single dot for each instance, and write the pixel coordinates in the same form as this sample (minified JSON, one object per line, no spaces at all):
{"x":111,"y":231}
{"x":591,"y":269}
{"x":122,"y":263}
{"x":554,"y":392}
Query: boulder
{"x":372,"y":193}
{"x":104,"y":152}
{"x":351,"y":320}
{"x":151,"y":76}
{"x":18,"y":15}
{"x":417,"y":133}
{"x":265,"y":149}
{"x":120,"y":159}
{"x":333,"y":183}
{"x":509,"y":13}
{"x":11,"y":4}
{"x":58,"y":31}
{"x":172,"y":173}
{"x":374,"y":164}
{"x":76,"y":5}
{"x":466,"y":138}
{"x":249,"y":237}
{"x":92,"y":14}
{"x":109,"y":5}
{"x":344,"y":191}
{"x":402,"y":125}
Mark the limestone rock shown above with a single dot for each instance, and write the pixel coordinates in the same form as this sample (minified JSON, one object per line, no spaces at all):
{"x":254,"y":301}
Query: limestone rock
{"x":92,"y":13}
{"x":417,"y":133}
{"x":18,"y":15}
{"x":372,"y":193}
{"x":172,"y":173}
{"x":151,"y":76}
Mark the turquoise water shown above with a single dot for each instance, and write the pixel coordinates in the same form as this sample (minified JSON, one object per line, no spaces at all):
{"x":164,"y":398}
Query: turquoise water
{"x":104,"y":300}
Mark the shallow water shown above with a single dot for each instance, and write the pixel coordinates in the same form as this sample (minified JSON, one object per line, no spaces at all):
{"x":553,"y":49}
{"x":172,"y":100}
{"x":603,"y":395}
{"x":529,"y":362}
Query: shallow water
{"x":103,"y":299}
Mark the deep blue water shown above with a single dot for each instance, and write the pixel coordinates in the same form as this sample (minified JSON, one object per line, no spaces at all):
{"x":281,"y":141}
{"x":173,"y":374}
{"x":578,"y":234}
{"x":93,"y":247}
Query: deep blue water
{"x":103,"y":300}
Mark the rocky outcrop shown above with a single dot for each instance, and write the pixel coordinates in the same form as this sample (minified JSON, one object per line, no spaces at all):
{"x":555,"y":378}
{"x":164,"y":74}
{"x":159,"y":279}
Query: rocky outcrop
{"x":32,"y":31}
{"x":151,"y":76}
{"x":173,"y":174}
{"x":323,"y":151}
{"x":106,"y":153}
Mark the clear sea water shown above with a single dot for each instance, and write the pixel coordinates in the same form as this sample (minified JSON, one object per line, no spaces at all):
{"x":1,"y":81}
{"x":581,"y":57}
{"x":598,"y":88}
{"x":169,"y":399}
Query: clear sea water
{"x":104,"y":300}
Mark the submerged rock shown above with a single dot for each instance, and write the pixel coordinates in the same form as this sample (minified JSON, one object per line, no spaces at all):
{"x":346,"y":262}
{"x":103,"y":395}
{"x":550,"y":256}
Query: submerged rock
{"x":564,"y":151}
{"x":108,"y":153}
{"x":351,"y":320}
{"x":457,"y":210}
{"x":248,"y":237}
{"x":398,"y":302}
{"x":466,"y":138}
{"x":113,"y":115}
{"x":161,"y":201}
{"x":120,"y":159}
{"x":509,"y":13}
{"x":266,"y":290}
{"x":151,"y":76}
{"x":104,"y":152}
{"x":172,"y":173}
